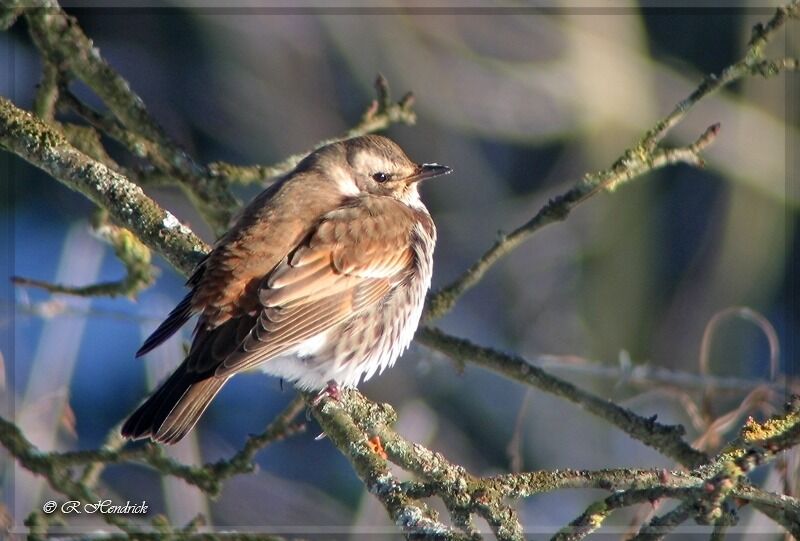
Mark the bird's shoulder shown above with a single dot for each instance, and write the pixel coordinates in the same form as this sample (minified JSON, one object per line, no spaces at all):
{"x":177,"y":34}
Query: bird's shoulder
{"x":302,"y":218}
{"x":350,"y":259}
{"x":269,"y":227}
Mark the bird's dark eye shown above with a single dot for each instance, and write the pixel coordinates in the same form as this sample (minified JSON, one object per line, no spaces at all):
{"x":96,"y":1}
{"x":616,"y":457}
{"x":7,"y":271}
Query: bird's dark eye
{"x":381,"y":177}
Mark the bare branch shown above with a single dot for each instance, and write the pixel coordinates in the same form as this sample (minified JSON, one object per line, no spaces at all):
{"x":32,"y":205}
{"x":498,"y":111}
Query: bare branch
{"x":128,"y":249}
{"x":557,"y":209}
{"x":667,"y":439}
{"x":751,"y":64}
{"x":642,"y":158}
{"x":382,"y":113}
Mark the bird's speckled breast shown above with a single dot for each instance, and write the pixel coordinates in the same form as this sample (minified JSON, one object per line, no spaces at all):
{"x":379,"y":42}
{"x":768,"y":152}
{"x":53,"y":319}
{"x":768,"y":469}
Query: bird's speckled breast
{"x":371,"y":341}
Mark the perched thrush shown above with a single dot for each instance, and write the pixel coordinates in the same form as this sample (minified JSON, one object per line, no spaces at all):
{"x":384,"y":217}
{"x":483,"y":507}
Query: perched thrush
{"x":321,"y":281}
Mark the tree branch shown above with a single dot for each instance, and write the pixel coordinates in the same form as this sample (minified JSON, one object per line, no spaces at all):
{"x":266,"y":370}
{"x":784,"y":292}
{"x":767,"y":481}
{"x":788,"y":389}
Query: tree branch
{"x":666,"y":439}
{"x":62,"y":43}
{"x":558,"y":208}
{"x":362,"y":430}
{"x":57,"y":467}
{"x":753,"y":63}
{"x":659,"y":527}
{"x":644,"y":157}
{"x":382,"y":113}
{"x":9,"y":15}
{"x":43,"y":146}
{"x":340,"y":427}
{"x":134,"y":255}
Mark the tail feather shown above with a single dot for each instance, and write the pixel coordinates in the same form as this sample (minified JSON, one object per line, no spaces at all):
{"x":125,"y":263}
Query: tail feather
{"x":175,"y":320}
{"x":171,"y":411}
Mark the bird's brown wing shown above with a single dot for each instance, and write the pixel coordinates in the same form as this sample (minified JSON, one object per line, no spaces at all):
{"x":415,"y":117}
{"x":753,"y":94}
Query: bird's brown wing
{"x":179,"y":315}
{"x":351,"y":261}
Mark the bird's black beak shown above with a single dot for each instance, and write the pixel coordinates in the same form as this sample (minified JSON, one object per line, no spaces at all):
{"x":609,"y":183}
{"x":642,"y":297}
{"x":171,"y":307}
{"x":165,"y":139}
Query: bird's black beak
{"x":429,"y":170}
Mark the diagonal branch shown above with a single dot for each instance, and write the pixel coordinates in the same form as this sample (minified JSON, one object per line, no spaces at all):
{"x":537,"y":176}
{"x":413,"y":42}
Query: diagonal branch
{"x":63,"y":43}
{"x":709,"y":501}
{"x":9,"y":15}
{"x":42,"y":145}
{"x":382,"y":113}
{"x":134,"y":255}
{"x":414,"y":518}
{"x":594,"y":515}
{"x":665,"y":438}
{"x":659,"y":527}
{"x":642,"y":158}
{"x":558,"y":208}
{"x":753,"y":63}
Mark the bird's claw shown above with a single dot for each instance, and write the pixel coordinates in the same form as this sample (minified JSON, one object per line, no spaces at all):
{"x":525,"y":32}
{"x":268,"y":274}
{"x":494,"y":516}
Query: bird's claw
{"x":331,"y":391}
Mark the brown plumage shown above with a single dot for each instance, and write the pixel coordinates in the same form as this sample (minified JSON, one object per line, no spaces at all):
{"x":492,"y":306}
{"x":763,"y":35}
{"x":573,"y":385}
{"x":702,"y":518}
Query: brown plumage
{"x":322,"y":278}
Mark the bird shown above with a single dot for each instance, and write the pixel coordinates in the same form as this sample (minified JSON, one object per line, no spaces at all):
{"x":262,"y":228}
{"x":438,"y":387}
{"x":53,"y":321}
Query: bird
{"x":320,"y":281}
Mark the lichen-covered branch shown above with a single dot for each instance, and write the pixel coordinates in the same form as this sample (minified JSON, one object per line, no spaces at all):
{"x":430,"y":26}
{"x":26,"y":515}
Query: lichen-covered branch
{"x":410,"y":516}
{"x":720,"y":480}
{"x":45,"y":147}
{"x":69,"y":54}
{"x":363,"y":431}
{"x":594,"y":515}
{"x":526,"y":484}
{"x":57,"y":467}
{"x":659,"y":527}
{"x":9,"y":15}
{"x":63,"y":43}
{"x":57,"y":477}
{"x":44,"y":105}
{"x":371,"y":440}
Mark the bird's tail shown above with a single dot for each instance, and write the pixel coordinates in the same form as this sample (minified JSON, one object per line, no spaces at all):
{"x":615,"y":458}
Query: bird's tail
{"x":171,"y":411}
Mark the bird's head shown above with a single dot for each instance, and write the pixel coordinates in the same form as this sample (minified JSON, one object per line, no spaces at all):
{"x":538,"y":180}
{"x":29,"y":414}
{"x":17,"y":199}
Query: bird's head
{"x":380,"y":167}
{"x":374,"y":165}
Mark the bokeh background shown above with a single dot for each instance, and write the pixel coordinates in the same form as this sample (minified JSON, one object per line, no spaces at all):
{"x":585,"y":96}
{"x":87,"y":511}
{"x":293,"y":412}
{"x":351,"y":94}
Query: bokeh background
{"x":521,"y":104}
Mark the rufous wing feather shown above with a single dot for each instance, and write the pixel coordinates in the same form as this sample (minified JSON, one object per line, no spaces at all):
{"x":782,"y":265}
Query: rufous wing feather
{"x":324,"y":282}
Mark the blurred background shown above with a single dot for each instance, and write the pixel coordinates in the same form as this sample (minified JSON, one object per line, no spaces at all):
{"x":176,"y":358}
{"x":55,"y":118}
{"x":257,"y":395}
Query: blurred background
{"x":521,"y":104}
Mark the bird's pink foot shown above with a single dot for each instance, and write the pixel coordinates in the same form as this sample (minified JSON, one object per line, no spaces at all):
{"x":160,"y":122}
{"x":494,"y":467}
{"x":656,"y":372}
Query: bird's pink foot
{"x":331,"y":391}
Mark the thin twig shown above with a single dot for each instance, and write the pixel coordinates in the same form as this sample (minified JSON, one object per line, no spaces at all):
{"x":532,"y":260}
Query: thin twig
{"x":751,"y":64}
{"x":594,"y":515}
{"x":659,"y":527}
{"x":379,"y":115}
{"x":665,"y":438}
{"x":642,"y":158}
{"x":134,"y":255}
{"x":44,"y":104}
{"x":558,"y":208}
